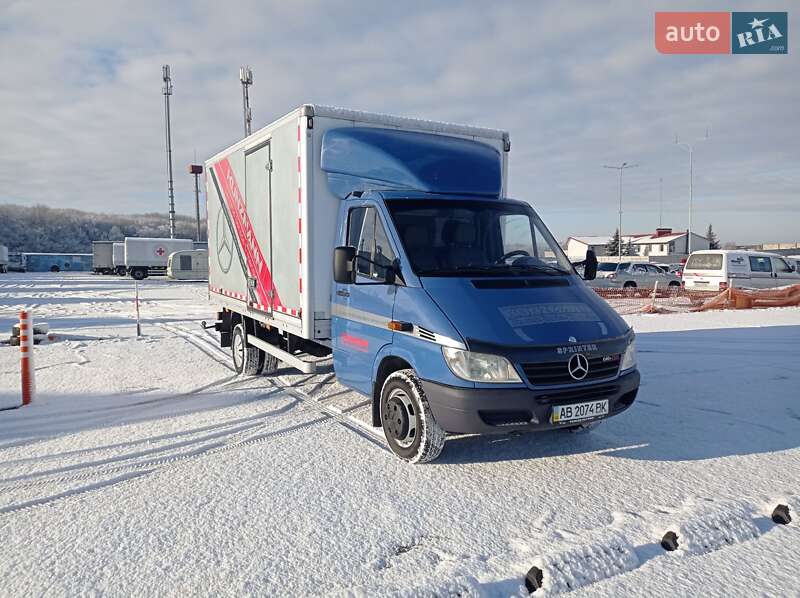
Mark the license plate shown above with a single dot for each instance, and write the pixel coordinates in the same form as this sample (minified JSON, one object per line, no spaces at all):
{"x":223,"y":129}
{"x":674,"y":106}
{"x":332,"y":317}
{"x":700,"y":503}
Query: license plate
{"x":579,"y":411}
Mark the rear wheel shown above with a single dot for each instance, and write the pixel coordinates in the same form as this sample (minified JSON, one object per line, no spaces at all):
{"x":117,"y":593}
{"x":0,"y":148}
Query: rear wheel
{"x":270,"y":364}
{"x":411,"y":431}
{"x":55,"y":269}
{"x":246,"y":359}
{"x":138,"y":273}
{"x":629,"y":288}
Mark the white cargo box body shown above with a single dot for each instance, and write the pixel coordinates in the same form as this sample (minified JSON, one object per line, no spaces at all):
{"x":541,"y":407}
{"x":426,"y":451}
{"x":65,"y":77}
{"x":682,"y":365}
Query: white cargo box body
{"x":119,"y":254}
{"x":102,"y":254}
{"x":3,"y":255}
{"x":152,"y":252}
{"x":272,"y":218}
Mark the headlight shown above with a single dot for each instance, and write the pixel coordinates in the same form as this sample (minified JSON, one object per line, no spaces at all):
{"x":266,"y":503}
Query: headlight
{"x":479,"y":367}
{"x":629,"y":359}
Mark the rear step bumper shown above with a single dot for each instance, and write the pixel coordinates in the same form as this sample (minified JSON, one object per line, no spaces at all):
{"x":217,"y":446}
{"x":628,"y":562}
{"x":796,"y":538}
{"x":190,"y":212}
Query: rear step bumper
{"x":503,"y":410}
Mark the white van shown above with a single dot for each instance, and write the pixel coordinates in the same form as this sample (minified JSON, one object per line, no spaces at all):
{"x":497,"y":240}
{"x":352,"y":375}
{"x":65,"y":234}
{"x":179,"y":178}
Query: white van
{"x":716,"y":270}
{"x":191,"y":264}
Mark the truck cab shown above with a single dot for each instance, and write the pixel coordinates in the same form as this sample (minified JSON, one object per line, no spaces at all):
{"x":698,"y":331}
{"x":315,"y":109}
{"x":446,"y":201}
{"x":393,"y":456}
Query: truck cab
{"x":462,"y":315}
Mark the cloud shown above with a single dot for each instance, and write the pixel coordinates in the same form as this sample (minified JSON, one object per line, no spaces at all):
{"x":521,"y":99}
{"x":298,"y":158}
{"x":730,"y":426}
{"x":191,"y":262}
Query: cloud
{"x":578,"y":87}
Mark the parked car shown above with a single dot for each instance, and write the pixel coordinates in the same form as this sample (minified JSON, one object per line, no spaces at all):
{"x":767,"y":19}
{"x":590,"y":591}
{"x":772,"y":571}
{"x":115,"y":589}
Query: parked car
{"x":716,"y":270}
{"x":627,"y":275}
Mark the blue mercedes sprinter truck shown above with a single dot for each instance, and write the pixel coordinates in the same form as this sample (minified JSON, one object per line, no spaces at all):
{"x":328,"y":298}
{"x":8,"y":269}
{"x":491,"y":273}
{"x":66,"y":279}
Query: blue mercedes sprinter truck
{"x":448,"y":304}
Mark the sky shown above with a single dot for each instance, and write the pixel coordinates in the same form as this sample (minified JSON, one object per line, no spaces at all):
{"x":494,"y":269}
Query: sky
{"x":579,"y":85}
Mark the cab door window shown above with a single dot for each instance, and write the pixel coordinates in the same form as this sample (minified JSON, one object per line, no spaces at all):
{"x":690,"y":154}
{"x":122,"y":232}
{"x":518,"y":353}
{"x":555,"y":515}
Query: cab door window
{"x":367,"y":234}
{"x":781,"y":266}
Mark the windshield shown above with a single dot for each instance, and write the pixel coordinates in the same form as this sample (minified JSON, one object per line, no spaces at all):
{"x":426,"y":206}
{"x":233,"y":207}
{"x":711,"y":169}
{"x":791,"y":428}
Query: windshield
{"x":475,"y":238}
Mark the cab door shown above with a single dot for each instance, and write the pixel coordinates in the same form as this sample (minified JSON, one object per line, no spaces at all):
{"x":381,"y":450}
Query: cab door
{"x":783,"y":273}
{"x":362,"y":311}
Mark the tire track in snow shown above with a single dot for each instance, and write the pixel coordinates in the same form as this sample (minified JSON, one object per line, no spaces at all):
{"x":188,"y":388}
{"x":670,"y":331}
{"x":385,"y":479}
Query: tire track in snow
{"x":138,"y":471}
{"x":351,"y":423}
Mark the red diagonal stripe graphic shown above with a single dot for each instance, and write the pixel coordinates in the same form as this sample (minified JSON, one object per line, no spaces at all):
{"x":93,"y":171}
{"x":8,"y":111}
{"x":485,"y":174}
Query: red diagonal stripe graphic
{"x":245,"y":235}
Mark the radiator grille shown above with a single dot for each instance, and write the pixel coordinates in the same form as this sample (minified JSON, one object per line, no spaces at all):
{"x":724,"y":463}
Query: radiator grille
{"x":557,"y":372}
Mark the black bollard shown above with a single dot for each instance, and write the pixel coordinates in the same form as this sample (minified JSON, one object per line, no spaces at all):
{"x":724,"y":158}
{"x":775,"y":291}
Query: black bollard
{"x":670,"y":541}
{"x":780,"y":515}
{"x":533,"y":580}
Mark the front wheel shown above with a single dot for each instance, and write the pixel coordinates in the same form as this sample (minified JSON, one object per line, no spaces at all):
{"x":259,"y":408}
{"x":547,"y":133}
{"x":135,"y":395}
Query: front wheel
{"x":411,"y":431}
{"x":246,"y":359}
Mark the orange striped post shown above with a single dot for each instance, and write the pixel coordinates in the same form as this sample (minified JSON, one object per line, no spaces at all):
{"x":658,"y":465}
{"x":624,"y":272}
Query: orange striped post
{"x":26,"y":356}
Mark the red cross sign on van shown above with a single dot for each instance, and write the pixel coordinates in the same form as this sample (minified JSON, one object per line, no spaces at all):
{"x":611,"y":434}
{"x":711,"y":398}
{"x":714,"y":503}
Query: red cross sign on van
{"x":160,"y":251}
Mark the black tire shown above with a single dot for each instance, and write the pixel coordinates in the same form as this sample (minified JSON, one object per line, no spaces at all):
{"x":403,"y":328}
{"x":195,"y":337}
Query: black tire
{"x":55,"y":269}
{"x":269,"y":364}
{"x":138,"y":273}
{"x":409,"y":425}
{"x":629,"y":288}
{"x":121,"y":271}
{"x":674,"y":284}
{"x":247,"y":360}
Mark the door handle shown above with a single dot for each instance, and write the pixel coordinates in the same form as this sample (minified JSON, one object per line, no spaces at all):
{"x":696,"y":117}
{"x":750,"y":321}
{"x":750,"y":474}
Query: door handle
{"x":343,"y":293}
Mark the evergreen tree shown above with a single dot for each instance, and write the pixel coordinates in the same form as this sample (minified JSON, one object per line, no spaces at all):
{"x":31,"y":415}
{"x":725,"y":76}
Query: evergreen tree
{"x":713,"y":242}
{"x":629,"y":249}
{"x":612,"y":247}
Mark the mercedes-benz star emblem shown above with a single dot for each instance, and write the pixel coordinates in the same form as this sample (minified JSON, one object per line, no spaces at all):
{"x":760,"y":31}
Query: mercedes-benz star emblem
{"x":578,"y":366}
{"x":224,"y":248}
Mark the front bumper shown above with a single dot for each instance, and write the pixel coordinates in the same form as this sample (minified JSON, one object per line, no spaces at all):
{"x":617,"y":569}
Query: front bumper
{"x":503,"y":410}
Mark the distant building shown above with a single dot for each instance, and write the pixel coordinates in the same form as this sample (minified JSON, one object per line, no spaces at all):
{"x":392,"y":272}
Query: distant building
{"x":660,"y":246}
{"x":787,"y":249}
{"x":665,"y":243}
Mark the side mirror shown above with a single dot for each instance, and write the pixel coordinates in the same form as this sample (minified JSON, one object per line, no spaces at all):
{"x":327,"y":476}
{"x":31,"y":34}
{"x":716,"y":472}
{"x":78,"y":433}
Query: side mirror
{"x":590,"y":271}
{"x":344,"y":271}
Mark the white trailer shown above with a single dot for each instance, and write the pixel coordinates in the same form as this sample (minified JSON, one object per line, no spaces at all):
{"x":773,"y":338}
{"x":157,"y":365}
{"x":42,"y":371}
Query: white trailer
{"x":145,"y":256}
{"x":3,"y":259}
{"x":272,"y":218}
{"x":188,"y":265}
{"x":118,"y":257}
{"x":103,"y":257}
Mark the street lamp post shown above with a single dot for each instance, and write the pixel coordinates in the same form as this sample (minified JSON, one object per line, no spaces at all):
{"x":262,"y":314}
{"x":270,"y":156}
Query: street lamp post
{"x":620,"y":168}
{"x":690,"y":148}
{"x":246,"y":77}
{"x":167,"y":91}
{"x":196,"y":170}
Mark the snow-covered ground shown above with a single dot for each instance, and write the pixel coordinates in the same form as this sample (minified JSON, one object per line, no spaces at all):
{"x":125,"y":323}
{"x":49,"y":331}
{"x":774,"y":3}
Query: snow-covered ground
{"x":145,"y":466}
